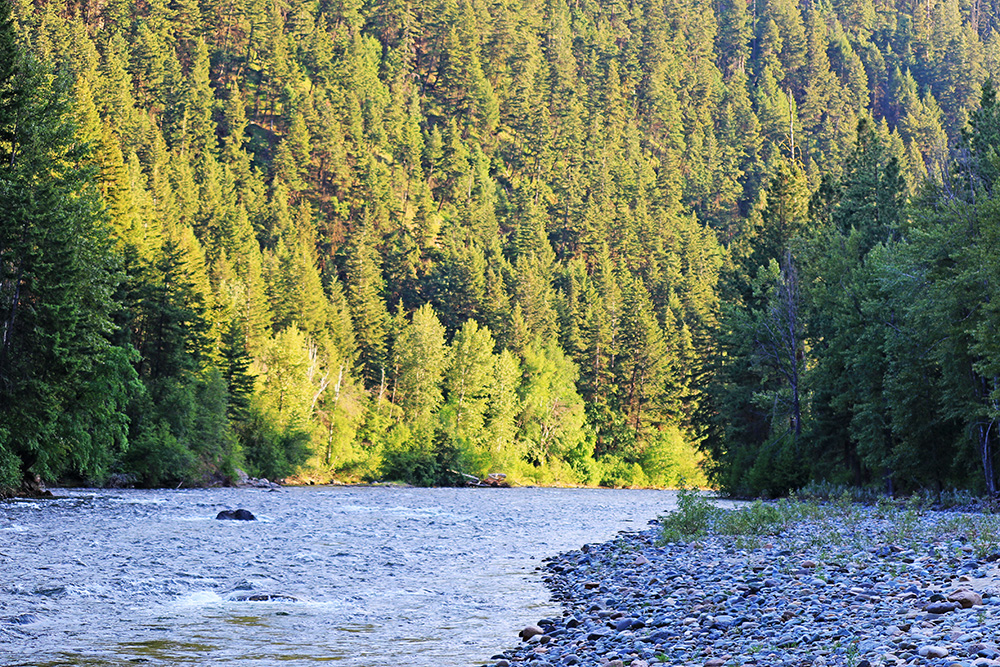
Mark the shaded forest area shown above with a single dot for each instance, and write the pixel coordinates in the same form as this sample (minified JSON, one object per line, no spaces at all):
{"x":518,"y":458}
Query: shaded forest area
{"x":589,"y":242}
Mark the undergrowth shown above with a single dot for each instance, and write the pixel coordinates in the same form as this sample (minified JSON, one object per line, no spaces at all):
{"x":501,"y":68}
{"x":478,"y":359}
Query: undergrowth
{"x":693,"y":518}
{"x":839,"y":520}
{"x":696,"y":516}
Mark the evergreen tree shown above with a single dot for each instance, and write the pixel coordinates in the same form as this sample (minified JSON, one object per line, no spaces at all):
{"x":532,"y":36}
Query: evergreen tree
{"x":63,"y":382}
{"x":368,"y":310}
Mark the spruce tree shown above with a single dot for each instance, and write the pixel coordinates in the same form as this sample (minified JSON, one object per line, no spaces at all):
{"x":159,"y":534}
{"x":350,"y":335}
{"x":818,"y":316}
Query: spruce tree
{"x":63,"y":382}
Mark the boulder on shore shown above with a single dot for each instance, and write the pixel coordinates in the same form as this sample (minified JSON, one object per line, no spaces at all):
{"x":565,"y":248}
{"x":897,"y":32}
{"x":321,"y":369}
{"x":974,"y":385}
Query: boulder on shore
{"x":34,"y":487}
{"x":966,"y":598}
{"x":245,"y":480}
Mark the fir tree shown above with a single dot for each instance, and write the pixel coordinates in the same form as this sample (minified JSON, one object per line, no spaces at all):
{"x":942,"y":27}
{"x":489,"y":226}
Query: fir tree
{"x":63,"y":382}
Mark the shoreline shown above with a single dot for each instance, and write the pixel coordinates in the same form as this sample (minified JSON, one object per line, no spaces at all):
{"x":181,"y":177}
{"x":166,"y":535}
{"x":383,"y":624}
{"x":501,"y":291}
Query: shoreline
{"x":837,"y":585}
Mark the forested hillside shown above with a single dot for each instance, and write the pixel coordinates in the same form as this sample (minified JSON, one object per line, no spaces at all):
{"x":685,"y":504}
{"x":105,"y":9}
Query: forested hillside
{"x":576,"y":242}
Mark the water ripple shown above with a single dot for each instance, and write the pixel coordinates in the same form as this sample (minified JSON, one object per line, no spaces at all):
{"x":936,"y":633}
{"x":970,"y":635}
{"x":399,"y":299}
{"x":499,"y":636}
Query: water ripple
{"x":357,"y":576}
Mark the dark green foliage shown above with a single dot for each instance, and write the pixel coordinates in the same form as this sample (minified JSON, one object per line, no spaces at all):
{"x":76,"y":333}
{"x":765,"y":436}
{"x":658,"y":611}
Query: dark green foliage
{"x":982,"y":167}
{"x":63,"y":382}
{"x":570,"y":241}
{"x":424,"y":466}
{"x":271,"y":451}
{"x":236,"y":361}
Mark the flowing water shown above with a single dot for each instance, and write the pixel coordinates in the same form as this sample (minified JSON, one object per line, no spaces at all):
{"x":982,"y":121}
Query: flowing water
{"x":366,"y":577}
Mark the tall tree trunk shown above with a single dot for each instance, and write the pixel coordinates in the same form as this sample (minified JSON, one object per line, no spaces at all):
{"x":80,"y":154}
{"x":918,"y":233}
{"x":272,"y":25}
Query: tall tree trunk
{"x":986,"y":454}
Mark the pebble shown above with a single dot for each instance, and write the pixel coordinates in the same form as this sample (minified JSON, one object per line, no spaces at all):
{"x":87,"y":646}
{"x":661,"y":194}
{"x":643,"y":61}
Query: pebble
{"x":941,"y":607}
{"x":933,"y":652}
{"x":827,"y":591}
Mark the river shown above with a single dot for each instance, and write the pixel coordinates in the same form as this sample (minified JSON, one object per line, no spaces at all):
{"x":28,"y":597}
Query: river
{"x":356,"y":576}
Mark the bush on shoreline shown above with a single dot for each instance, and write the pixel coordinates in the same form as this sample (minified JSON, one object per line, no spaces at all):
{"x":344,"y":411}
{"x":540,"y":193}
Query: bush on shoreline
{"x":975,"y":522}
{"x":697,"y":516}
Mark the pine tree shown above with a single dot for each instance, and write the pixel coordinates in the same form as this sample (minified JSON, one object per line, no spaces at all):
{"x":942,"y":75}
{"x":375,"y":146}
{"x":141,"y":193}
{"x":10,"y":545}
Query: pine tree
{"x":368,"y":309}
{"x":733,"y":39}
{"x":641,"y":371}
{"x":199,"y":105}
{"x":236,"y":365}
{"x":293,"y":160}
{"x":852,"y":323}
{"x":63,"y":383}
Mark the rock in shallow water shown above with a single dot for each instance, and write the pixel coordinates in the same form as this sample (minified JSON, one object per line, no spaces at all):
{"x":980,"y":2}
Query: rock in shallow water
{"x":266,"y":597}
{"x":236,"y":515}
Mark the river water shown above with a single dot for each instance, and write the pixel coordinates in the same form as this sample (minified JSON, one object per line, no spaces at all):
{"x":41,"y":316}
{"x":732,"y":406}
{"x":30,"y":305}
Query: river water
{"x":365,"y":577}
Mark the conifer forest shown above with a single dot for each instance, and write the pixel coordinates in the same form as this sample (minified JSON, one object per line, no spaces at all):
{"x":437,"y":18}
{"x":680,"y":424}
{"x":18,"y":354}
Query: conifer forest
{"x":616,"y":242}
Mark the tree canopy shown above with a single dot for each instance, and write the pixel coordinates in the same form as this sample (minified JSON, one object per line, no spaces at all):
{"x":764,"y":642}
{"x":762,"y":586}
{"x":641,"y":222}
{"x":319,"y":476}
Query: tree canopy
{"x":574,"y":242}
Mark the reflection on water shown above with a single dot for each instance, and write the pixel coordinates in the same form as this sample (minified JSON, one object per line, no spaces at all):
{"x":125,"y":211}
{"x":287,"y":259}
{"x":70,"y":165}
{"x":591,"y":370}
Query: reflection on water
{"x":361,"y":576}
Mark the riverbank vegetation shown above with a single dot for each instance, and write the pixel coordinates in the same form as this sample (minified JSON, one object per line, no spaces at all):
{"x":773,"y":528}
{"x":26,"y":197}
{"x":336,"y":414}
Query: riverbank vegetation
{"x":837,"y":522}
{"x":580,"y":243}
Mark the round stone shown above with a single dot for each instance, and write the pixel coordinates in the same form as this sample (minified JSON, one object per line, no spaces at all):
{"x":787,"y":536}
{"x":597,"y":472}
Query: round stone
{"x":932,"y":651}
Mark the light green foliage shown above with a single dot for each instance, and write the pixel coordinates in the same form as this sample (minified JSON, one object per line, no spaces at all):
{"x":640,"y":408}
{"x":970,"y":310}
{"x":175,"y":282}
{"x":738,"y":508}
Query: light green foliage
{"x":467,"y":385}
{"x":697,"y":516}
{"x":552,"y":417}
{"x":420,"y":358}
{"x":502,"y":411}
{"x":285,"y":378}
{"x":603,"y":187}
{"x":757,"y":519}
{"x":670,"y":459}
{"x":843,"y":522}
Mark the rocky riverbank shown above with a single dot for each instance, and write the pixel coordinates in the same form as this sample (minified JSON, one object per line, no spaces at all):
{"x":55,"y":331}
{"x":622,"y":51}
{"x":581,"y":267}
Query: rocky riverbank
{"x":797,"y":585}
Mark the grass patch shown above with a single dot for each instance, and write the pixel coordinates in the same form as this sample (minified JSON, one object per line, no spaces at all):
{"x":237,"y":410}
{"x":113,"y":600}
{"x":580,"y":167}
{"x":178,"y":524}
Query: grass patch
{"x":693,"y":518}
{"x":839,"y":522}
{"x":757,"y":519}
{"x":696,"y":516}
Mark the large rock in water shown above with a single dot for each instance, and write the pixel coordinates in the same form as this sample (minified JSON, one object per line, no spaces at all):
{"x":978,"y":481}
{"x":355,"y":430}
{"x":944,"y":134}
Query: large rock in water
{"x":236,"y":515}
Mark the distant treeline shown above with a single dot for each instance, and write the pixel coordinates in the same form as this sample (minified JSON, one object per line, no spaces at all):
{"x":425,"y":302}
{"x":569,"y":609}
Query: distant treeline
{"x":625,"y":243}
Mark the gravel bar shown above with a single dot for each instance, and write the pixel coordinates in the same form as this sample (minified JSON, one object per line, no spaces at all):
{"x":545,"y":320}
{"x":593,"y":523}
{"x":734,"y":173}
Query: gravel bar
{"x":858,"y":586}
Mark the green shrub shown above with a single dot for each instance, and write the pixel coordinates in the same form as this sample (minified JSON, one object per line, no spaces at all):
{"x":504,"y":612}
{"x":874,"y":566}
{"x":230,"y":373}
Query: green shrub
{"x":157,"y":458}
{"x":696,"y":517}
{"x":778,"y":469}
{"x":617,"y":473}
{"x":423,"y":463}
{"x":828,"y":491}
{"x":756,"y":519}
{"x":272,"y":451}
{"x":692,"y":519}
